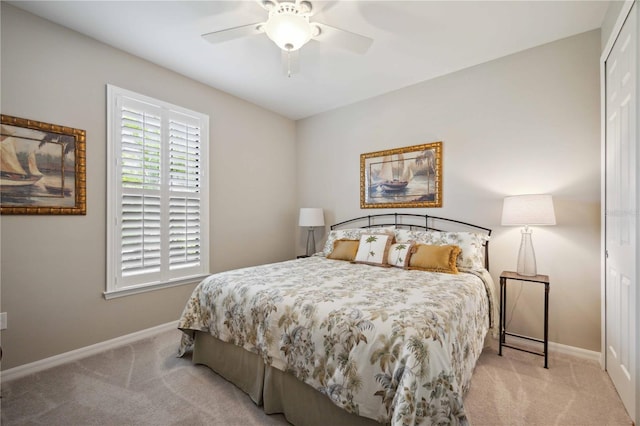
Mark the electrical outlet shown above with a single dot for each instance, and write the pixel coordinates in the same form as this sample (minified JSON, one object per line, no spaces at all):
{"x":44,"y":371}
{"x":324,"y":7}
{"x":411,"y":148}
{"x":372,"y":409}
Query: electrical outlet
{"x":3,"y":320}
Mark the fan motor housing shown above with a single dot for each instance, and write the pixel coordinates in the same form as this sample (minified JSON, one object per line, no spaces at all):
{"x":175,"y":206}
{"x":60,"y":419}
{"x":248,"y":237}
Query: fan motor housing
{"x":288,"y":26}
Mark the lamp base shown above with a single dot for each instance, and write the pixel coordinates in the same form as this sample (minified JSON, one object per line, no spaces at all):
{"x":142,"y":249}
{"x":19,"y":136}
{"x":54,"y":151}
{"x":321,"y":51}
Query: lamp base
{"x":526,"y":255}
{"x":311,"y":242}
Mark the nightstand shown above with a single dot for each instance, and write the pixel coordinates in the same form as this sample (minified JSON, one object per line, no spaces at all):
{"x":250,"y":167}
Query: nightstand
{"x":539,"y":279}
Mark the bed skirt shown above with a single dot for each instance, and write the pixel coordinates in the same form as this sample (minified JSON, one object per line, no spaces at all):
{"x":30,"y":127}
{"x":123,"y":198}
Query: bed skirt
{"x":274,"y":390}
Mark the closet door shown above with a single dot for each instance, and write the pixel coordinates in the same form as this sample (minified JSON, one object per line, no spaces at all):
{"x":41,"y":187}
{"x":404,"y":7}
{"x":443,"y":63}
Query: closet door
{"x":621,"y":214}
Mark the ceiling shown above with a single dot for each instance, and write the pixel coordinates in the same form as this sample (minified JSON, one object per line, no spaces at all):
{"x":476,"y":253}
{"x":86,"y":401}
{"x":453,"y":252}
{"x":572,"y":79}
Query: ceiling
{"x":413,"y":41}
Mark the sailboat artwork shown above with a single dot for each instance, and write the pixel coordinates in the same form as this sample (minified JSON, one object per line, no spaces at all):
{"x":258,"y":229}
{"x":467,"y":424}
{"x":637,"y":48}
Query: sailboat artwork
{"x":38,"y":168}
{"x":402,"y":177}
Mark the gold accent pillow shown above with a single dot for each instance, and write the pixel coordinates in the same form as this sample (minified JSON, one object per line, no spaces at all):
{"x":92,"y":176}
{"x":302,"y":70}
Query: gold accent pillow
{"x":344,"y":250}
{"x":472,"y":244}
{"x":434,"y":258}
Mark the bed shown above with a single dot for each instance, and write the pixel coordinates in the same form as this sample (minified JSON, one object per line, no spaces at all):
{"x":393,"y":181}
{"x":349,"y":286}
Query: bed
{"x":384,"y":337}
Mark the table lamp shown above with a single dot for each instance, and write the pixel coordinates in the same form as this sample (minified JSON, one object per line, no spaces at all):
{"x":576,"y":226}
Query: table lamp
{"x":311,"y":217}
{"x":534,"y":209}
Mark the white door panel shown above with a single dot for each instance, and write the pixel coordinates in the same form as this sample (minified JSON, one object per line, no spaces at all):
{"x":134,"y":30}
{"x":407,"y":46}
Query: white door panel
{"x":621,"y":209}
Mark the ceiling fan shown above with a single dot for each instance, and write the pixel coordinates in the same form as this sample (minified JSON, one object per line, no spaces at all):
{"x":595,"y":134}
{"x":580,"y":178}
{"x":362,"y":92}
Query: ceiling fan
{"x":288,"y":27}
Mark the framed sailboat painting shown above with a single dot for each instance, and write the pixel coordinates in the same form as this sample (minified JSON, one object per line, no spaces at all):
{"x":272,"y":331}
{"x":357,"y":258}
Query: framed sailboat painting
{"x":42,"y":168}
{"x":402,"y":177}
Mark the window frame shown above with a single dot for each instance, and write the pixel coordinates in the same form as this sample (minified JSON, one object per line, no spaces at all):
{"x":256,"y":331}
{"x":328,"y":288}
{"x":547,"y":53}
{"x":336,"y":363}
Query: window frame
{"x":117,"y":285}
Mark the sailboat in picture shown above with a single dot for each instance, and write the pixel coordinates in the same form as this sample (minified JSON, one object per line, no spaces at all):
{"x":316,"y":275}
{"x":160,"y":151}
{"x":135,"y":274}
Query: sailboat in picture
{"x":51,"y":183}
{"x":12,"y":174}
{"x":395,"y":177}
{"x":32,"y":165}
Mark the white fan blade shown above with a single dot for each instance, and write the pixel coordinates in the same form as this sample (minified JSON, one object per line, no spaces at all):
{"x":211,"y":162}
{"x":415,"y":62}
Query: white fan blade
{"x":233,"y":33}
{"x":343,"y":39}
{"x":290,"y":62}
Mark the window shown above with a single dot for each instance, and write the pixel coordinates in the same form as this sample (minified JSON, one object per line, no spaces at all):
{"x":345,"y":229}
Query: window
{"x":158,"y":206}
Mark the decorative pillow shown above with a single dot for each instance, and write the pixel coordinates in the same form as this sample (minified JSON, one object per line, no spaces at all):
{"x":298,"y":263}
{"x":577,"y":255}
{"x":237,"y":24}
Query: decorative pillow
{"x":471,"y":244}
{"x":434,"y":258}
{"x":399,"y":254}
{"x":352,"y":234}
{"x":373,"y":249}
{"x":344,"y":250}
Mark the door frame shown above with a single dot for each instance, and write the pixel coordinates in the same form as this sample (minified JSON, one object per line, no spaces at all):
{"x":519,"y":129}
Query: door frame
{"x":622,"y":16}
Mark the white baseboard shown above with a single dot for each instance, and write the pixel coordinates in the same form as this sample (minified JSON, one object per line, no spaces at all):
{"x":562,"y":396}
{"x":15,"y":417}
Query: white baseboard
{"x":558,"y":348}
{"x":54,"y":361}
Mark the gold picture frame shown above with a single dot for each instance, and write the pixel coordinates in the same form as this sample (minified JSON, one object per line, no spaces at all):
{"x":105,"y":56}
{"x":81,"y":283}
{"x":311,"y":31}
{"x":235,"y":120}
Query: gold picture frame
{"x":402,"y":177}
{"x":42,"y":168}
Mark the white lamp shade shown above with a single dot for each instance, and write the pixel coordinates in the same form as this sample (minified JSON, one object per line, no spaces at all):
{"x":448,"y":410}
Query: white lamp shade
{"x":535,"y":209}
{"x":288,"y":30}
{"x":311,"y":216}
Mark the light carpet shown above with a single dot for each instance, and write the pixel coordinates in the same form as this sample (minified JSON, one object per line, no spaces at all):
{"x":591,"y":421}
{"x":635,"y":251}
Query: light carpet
{"x":143,"y":383}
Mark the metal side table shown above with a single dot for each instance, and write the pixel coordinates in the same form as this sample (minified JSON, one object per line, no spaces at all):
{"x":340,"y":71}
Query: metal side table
{"x":541,"y":279}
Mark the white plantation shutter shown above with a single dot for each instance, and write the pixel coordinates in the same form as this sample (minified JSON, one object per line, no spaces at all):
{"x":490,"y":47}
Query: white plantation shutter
{"x":158,"y":204}
{"x":184,"y":201}
{"x":140,"y":200}
{"x":140,"y":148}
{"x":140,"y":227}
{"x":184,"y":232}
{"x":184,"y":156}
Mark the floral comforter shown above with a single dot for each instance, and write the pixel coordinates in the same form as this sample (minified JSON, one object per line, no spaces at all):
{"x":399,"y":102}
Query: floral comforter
{"x":398,"y":346}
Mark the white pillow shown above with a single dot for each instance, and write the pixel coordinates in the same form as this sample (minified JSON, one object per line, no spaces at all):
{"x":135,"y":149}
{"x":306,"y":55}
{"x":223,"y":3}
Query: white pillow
{"x":399,"y":254}
{"x":471,"y":244}
{"x":374,"y":249}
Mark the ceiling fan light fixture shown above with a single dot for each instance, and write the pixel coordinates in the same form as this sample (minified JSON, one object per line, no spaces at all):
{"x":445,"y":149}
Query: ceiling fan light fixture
{"x":288,"y":29}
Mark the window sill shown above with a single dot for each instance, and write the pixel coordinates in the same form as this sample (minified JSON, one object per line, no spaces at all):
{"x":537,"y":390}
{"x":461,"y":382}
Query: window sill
{"x":127,"y":291}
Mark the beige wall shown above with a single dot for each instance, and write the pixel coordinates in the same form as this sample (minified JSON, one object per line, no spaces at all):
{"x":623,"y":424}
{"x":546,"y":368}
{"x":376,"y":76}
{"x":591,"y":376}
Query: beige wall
{"x":53,"y":267}
{"x":525,"y":123}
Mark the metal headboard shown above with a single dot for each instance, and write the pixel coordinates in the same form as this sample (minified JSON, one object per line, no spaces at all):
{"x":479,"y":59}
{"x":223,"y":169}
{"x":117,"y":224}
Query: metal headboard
{"x":416,"y":221}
